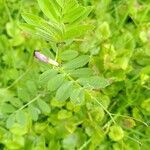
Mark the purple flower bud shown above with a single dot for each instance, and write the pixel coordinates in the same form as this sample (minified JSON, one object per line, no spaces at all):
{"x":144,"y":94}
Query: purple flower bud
{"x":45,"y":59}
{"x":41,"y":57}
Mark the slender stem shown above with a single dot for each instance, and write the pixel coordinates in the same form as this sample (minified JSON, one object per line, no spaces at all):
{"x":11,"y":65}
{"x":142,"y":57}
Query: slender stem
{"x":85,"y":144}
{"x":131,"y":118}
{"x":27,"y":104}
{"x":18,"y":79}
{"x":103,"y":108}
{"x":7,"y":10}
{"x":135,"y":140}
{"x":20,"y":8}
{"x":148,"y":88}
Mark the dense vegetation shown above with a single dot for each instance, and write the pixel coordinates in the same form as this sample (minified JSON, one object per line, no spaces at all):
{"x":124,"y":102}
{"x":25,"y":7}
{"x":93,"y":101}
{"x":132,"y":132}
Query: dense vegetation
{"x":87,"y":88}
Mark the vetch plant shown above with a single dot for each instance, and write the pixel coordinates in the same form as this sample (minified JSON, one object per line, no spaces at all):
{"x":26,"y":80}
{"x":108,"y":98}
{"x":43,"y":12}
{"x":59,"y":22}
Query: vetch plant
{"x":74,"y":74}
{"x":64,"y":22}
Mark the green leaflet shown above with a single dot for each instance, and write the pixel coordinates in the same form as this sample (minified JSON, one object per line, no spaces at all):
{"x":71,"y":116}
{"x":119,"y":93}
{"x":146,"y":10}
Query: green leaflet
{"x":68,"y":55}
{"x":60,"y":3}
{"x":55,"y":82}
{"x":116,"y":133}
{"x":40,"y":127}
{"x":81,"y":72}
{"x":74,"y":31}
{"x":18,"y":123}
{"x":18,"y":129}
{"x":7,"y":108}
{"x":146,"y":105}
{"x":97,"y":114}
{"x":16,"y":142}
{"x":94,"y":82}
{"x":36,"y":31}
{"x":63,"y":114}
{"x":44,"y":107}
{"x":10,"y":121}
{"x":11,"y":29}
{"x":104,"y":30}
{"x":77,"y":96}
{"x":50,"y":9}
{"x":64,"y":17}
{"x":23,"y":94}
{"x":146,"y":70}
{"x":77,"y":62}
{"x":16,"y":102}
{"x":34,"y":112}
{"x":84,"y":15}
{"x":37,"y":24}
{"x":53,"y":144}
{"x":73,"y":14}
{"x":56,"y":103}
{"x":46,"y":76}
{"x":43,"y":34}
{"x":63,"y":93}
{"x":31,"y":87}
{"x":70,"y":141}
{"x":21,"y":118}
{"x":68,"y":5}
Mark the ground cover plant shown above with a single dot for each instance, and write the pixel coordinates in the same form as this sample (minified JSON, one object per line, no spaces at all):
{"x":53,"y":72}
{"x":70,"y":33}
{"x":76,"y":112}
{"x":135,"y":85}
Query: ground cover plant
{"x":74,"y":75}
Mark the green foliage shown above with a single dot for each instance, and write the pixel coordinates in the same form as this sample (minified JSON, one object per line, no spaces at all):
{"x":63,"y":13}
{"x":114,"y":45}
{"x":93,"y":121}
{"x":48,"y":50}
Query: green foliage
{"x":97,"y":98}
{"x":44,"y":107}
{"x":55,"y":82}
{"x":116,"y":133}
{"x":68,"y":55}
{"x":77,"y":96}
{"x":63,"y":93}
{"x":63,"y":22}
{"x":77,"y":62}
{"x":94,"y":82}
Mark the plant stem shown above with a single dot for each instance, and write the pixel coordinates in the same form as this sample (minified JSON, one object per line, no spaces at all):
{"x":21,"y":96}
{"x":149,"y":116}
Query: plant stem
{"x":33,"y":100}
{"x":85,"y":144}
{"x":8,"y":11}
{"x":18,"y":79}
{"x":131,"y":118}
